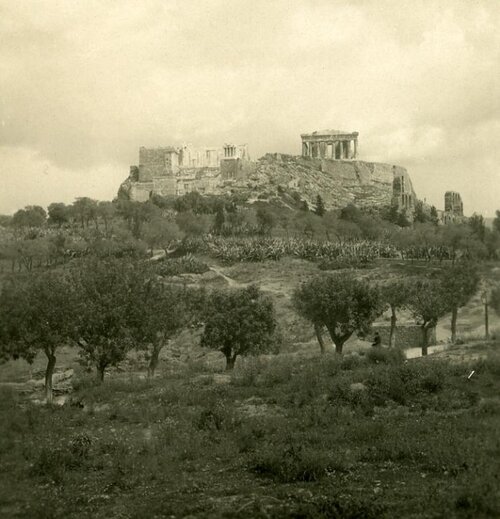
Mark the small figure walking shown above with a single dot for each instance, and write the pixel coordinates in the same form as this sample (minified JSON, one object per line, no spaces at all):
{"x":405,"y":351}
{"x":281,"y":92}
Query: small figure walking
{"x":377,"y":341}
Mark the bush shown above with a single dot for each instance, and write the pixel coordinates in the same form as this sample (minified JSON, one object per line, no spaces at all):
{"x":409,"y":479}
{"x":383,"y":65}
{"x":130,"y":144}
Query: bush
{"x":351,"y":362}
{"x":292,"y":463}
{"x":385,"y":356}
{"x":185,"y":265}
{"x":345,"y":263}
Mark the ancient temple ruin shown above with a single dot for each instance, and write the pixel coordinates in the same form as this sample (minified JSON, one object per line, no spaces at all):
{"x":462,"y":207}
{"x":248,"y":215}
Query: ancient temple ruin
{"x":169,"y":170}
{"x":330,"y":144}
{"x":453,"y":203}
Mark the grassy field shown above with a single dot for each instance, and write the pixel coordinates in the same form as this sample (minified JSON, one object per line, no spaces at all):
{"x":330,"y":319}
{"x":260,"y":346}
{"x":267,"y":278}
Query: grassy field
{"x":294,"y":435}
{"x":365,"y":436}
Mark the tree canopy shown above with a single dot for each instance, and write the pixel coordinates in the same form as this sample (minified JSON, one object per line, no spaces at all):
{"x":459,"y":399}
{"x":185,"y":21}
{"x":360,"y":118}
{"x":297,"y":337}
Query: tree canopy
{"x":239,"y":322}
{"x":428,"y":303}
{"x":106,"y":290}
{"x":37,"y":314}
{"x":339,"y":302}
{"x":459,"y":283}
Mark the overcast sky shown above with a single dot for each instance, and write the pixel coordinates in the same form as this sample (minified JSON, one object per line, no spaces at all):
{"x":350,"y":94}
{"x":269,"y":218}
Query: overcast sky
{"x":84,"y":83}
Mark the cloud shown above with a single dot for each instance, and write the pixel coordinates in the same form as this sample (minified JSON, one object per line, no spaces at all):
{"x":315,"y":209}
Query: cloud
{"x":84,"y":83}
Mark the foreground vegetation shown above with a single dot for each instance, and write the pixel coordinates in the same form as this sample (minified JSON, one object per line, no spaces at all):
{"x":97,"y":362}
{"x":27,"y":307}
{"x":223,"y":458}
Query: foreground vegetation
{"x":359,"y":436}
{"x":368,"y":435}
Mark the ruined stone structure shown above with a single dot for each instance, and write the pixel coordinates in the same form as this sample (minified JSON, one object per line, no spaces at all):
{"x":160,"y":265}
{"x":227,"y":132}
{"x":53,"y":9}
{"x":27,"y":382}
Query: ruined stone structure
{"x":453,"y":203}
{"x":173,"y":170}
{"x":330,"y":144}
{"x":403,"y":195}
{"x":329,"y":166}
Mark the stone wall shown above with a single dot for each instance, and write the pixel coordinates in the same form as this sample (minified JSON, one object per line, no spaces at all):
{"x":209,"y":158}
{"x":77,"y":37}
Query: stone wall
{"x":236,"y":169}
{"x":157,"y":162}
{"x":407,"y":335}
{"x":140,"y":191}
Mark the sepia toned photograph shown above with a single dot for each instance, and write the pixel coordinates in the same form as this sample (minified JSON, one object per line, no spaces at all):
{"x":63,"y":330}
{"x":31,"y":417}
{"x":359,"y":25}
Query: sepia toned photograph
{"x":249,"y":259}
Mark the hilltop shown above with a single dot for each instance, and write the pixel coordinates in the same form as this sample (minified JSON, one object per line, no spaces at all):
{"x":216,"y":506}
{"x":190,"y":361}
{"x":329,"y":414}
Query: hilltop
{"x":339,"y":182}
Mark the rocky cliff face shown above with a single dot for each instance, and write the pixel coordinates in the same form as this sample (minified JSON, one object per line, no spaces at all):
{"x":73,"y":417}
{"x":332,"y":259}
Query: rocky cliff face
{"x":339,"y":182}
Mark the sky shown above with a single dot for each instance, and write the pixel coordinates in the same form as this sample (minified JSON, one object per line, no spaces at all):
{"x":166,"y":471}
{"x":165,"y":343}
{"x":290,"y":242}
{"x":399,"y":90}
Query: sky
{"x":85,"y":83}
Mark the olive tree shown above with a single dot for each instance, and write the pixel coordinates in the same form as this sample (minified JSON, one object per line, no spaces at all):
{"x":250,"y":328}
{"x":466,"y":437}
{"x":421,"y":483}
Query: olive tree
{"x":395,"y":295}
{"x":459,"y":283}
{"x":239,"y":322}
{"x":159,"y":312}
{"x":106,"y":289}
{"x":339,"y":302}
{"x":427,"y":302}
{"x":37,"y":314}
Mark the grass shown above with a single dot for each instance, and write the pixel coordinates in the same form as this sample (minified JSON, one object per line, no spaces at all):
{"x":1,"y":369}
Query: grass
{"x":364,"y":436}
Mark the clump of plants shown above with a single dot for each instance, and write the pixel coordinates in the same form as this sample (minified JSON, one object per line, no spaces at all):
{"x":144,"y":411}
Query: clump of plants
{"x":292,"y":462}
{"x":385,"y":356}
{"x":185,"y":265}
{"x":345,"y":263}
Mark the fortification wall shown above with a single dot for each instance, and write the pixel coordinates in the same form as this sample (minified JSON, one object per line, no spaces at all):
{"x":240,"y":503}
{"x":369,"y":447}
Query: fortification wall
{"x":140,"y":191}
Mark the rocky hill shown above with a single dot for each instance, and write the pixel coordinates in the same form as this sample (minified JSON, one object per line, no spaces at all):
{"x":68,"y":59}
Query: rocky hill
{"x":339,"y":182}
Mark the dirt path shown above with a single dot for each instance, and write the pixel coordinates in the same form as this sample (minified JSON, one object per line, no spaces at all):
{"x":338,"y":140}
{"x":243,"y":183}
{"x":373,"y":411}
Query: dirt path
{"x":231,"y":282}
{"x":236,"y":284}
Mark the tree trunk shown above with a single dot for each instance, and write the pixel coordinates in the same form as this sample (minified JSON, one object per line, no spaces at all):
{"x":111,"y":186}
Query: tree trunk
{"x":425,"y":339}
{"x":319,"y":336}
{"x":230,"y":360}
{"x":392,"y":334}
{"x":338,"y":340}
{"x":49,"y":371}
{"x":338,"y":347}
{"x":454,"y":315}
{"x":100,"y":373}
{"x":153,"y":361}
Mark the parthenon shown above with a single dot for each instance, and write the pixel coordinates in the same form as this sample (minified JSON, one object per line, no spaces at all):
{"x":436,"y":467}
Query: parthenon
{"x":330,"y":144}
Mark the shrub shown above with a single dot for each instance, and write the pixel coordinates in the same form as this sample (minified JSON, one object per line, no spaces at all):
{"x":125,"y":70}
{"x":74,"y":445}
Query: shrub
{"x":248,"y":372}
{"x":351,"y":362}
{"x":345,"y":263}
{"x":385,"y":356}
{"x":279,"y":371}
{"x":215,"y":417}
{"x":185,"y":265}
{"x":292,"y":463}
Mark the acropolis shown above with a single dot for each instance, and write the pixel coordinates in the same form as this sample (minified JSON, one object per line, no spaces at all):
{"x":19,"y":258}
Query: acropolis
{"x":329,"y":164}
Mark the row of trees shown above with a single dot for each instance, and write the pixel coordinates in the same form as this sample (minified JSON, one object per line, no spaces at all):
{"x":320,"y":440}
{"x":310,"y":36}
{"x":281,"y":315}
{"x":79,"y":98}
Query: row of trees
{"x":106,"y":308}
{"x":103,"y":307}
{"x":160,"y":222}
{"x":344,"y":305}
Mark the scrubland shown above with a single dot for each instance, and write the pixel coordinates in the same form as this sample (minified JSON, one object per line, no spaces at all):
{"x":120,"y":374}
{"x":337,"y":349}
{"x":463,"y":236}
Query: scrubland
{"x":367,"y":435}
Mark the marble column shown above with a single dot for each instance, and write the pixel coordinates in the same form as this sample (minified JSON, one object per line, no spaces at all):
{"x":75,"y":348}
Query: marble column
{"x":355,"y":148}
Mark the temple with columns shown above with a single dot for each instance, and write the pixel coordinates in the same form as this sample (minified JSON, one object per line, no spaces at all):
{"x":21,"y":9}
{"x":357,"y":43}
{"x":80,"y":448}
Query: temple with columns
{"x":330,"y":144}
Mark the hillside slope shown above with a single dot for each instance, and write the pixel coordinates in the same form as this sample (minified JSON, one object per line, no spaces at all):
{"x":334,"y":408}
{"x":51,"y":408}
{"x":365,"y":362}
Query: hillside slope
{"x":339,"y":182}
